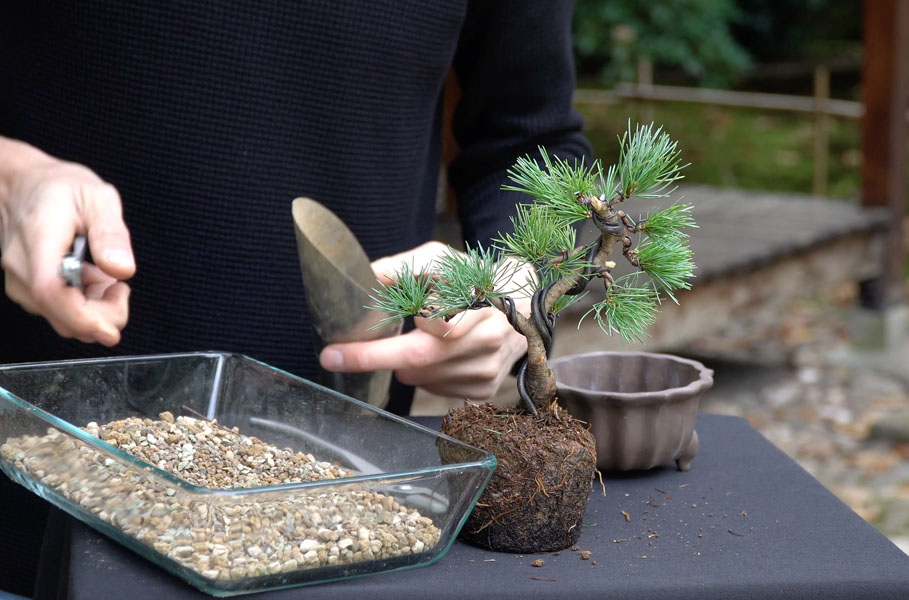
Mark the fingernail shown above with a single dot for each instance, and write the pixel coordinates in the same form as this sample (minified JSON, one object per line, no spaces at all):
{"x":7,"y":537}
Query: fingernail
{"x":331,"y":360}
{"x":120,"y":257}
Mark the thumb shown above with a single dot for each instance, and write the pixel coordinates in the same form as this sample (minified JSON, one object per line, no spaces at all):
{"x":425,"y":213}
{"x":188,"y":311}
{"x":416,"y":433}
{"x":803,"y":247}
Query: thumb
{"x":108,"y":236}
{"x":437,"y":327}
{"x":419,"y":259}
{"x":386,"y":267}
{"x":455,"y":328}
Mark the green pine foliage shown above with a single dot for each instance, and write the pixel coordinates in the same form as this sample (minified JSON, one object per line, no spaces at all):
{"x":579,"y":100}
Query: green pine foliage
{"x":563,"y":193}
{"x":556,"y":185}
{"x":470,"y":279}
{"x":546,"y":241}
{"x":407,"y":295}
{"x":627,"y":310}
{"x":538,"y":235}
{"x":458,"y":282}
{"x":668,"y":222}
{"x":668,"y":263}
{"x":649,"y":162}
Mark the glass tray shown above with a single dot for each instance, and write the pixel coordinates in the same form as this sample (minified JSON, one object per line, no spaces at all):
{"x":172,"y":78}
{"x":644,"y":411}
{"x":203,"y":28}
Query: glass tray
{"x":406,"y":492}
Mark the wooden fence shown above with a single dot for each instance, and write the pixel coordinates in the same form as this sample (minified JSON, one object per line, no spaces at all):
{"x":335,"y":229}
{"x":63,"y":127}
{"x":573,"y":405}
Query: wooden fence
{"x":885,"y":127}
{"x":820,"y":105}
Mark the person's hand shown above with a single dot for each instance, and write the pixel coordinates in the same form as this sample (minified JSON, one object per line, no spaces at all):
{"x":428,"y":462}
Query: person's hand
{"x":467,"y":357}
{"x":45,"y":204}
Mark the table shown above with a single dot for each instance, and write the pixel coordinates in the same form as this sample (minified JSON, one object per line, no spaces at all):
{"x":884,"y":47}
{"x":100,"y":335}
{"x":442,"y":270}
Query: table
{"x":745,"y":522}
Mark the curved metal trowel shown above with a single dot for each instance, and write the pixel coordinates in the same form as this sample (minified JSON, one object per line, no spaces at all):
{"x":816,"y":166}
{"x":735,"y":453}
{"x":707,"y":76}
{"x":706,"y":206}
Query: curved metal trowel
{"x":339,"y":279}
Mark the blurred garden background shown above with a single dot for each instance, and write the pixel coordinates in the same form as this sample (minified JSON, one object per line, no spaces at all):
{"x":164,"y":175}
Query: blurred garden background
{"x":768,"y":100}
{"x":755,"y":46}
{"x":766,"y":95}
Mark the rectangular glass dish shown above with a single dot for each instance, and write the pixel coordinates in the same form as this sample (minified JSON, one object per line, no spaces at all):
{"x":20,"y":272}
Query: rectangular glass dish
{"x":403,"y":494}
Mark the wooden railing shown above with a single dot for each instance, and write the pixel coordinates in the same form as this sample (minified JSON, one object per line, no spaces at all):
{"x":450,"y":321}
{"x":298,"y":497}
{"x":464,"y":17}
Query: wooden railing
{"x":821,"y":105}
{"x":885,"y":127}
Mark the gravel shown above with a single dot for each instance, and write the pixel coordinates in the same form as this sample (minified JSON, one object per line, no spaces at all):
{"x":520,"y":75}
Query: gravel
{"x":222,"y":536}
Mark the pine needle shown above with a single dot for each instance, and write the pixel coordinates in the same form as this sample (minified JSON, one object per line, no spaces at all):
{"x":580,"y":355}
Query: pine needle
{"x":648,"y":163}
{"x":407,"y":295}
{"x":667,"y":260}
{"x":627,"y":311}
{"x":470,"y":279}
{"x":668,"y":222}
{"x":558,"y":186}
{"x":538,"y":235}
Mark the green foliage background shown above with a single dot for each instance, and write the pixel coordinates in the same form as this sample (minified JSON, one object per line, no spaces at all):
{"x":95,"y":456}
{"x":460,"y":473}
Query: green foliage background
{"x":728,"y":43}
{"x":693,"y":35}
{"x":740,"y":148}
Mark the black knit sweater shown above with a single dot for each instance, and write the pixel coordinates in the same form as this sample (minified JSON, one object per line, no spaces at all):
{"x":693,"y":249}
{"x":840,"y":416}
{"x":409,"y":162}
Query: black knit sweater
{"x":211,"y":117}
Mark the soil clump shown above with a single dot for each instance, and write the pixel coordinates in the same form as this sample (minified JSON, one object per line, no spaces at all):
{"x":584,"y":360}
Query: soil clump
{"x":536,"y":498}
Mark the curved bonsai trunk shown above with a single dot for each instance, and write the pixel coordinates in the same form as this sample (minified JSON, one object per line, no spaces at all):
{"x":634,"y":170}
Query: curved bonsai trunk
{"x":539,"y":380}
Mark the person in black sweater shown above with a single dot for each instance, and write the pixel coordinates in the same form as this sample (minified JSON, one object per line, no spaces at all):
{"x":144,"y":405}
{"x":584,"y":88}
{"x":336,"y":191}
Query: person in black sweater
{"x":177,"y":135}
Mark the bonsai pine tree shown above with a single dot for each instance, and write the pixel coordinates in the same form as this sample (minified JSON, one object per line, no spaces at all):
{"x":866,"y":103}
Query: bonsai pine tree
{"x":535,"y":500}
{"x":564,"y":195}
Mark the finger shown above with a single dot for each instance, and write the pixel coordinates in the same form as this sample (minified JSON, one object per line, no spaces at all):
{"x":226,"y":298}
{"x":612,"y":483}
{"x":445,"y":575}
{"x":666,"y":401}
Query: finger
{"x":112,"y":309}
{"x":42,"y":249}
{"x":456,"y":328}
{"x":96,"y":315}
{"x":108,"y":237}
{"x":439,"y":327}
{"x":87,"y":321}
{"x":99,"y":321}
{"x":477,"y":379}
{"x":95,"y":281}
{"x":106,"y":296}
{"x":457,"y":376}
{"x":488,"y":354}
{"x":17,"y":291}
{"x":385,"y":268}
{"x":419,"y":258}
{"x":47,"y":293}
{"x":416,"y":349}
{"x":105,"y":310}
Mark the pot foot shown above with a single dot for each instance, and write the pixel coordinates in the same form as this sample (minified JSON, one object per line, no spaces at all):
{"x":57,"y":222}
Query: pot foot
{"x":683,"y":463}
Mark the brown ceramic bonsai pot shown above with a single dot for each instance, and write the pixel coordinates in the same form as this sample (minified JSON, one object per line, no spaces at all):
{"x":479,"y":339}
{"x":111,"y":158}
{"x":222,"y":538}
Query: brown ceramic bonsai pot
{"x":641,"y":406}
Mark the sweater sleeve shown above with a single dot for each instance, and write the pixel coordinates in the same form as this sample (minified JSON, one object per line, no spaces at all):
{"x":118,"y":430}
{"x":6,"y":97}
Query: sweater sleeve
{"x":515,"y":68}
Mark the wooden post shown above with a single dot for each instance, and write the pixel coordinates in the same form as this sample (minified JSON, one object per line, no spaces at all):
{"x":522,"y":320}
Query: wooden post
{"x":644,"y":87}
{"x":821,"y":129}
{"x":885,"y":91}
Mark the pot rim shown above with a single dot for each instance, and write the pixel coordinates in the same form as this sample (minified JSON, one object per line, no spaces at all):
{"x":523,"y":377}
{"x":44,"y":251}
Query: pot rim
{"x":701,"y":384}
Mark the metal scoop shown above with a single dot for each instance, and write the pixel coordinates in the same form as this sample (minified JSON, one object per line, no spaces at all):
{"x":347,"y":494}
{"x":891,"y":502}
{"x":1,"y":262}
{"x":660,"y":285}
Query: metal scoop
{"x":339,"y":279}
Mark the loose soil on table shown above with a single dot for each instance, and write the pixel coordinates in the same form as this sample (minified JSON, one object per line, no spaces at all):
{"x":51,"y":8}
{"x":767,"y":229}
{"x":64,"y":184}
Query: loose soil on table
{"x":800,"y":380}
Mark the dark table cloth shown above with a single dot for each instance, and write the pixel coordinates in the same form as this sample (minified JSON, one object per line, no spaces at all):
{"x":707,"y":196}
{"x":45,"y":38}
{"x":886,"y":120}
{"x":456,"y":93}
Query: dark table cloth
{"x":745,"y":522}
